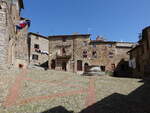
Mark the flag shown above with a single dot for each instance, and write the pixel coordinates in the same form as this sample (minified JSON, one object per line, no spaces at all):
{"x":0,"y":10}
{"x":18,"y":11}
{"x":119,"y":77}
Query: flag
{"x":23,"y":24}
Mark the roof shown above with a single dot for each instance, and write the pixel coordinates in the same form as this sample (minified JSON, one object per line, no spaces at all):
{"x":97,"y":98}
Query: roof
{"x":100,"y":41}
{"x":63,"y":36}
{"x":144,"y":31}
{"x":146,"y":28}
{"x":36,"y":34}
{"x":134,"y":48}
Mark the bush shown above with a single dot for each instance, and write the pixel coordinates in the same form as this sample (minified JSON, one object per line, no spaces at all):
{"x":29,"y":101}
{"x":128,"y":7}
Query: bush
{"x":109,"y":73}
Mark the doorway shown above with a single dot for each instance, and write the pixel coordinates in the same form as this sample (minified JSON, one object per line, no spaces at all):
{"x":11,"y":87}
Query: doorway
{"x":64,"y":66}
{"x":86,"y":65}
{"x":53,"y":64}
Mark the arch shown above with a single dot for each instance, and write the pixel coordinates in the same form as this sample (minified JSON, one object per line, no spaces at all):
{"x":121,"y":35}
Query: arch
{"x":53,"y":64}
{"x":86,"y":66}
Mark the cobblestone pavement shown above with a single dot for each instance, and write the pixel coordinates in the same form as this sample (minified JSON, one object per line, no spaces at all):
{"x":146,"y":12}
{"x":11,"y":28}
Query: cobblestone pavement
{"x":33,"y":91}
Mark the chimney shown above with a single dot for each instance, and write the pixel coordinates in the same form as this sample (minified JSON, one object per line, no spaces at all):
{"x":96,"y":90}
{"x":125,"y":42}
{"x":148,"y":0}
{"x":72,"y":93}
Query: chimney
{"x":100,"y":38}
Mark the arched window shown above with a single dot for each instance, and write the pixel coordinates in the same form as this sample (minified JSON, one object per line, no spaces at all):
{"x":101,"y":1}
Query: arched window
{"x":79,"y":65}
{"x":85,"y":54}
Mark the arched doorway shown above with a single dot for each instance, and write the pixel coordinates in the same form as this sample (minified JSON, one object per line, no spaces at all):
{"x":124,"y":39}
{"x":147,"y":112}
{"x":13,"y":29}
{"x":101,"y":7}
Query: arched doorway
{"x":53,"y":64}
{"x":86,"y":65}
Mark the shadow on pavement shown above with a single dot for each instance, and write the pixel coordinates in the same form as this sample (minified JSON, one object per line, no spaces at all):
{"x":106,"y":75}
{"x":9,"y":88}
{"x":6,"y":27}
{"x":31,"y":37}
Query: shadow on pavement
{"x":58,"y":109}
{"x":137,"y":101}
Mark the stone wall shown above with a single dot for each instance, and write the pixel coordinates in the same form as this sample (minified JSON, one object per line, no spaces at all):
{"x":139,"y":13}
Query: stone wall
{"x":43,"y":43}
{"x":55,"y":49}
{"x":5,"y":24}
{"x":107,"y":53}
{"x":141,"y":54}
{"x":13,"y":45}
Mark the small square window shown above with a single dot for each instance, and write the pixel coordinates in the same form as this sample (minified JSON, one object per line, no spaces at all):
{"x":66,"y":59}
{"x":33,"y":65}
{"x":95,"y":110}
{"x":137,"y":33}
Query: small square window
{"x":103,"y":68}
{"x":109,"y":45}
{"x":36,"y":46}
{"x":36,"y":37}
{"x":94,"y":45}
{"x":64,"y":39}
{"x":84,"y":43}
{"x":35,"y":57}
{"x":111,"y":54}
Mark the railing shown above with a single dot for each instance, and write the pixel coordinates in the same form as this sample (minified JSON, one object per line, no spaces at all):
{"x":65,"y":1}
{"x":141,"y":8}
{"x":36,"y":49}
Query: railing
{"x":63,"y":45}
{"x":63,"y":55}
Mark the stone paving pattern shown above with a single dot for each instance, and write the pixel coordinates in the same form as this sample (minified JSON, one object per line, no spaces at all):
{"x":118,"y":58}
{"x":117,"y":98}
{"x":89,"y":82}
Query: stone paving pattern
{"x":33,"y":91}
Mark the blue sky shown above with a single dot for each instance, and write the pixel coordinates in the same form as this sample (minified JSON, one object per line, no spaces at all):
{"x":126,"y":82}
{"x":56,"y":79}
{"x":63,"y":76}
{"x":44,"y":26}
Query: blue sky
{"x":119,"y":20}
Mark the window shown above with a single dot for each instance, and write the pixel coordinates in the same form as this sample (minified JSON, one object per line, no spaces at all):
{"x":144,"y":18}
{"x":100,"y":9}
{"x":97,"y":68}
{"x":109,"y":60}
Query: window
{"x":84,"y":43}
{"x":35,"y":57}
{"x":64,"y":39}
{"x":37,"y":37}
{"x":84,"y":54}
{"x":111,"y":54}
{"x":79,"y":65}
{"x":113,"y":66}
{"x":63,"y":51}
{"x":0,"y":7}
{"x":109,"y":45}
{"x":94,"y":45}
{"x":36,"y":46}
{"x":103,"y":68}
{"x":94,"y":54}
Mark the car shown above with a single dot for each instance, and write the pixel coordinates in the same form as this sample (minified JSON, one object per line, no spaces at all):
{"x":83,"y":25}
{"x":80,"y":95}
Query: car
{"x":94,"y":70}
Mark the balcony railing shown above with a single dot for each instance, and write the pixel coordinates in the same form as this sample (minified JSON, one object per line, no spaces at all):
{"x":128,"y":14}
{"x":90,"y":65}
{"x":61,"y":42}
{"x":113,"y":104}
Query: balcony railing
{"x":63,"y":45}
{"x":63,"y":56}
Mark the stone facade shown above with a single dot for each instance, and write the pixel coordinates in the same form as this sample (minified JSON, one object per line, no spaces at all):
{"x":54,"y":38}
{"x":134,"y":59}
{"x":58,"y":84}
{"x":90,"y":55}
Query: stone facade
{"x":13,"y":44}
{"x":38,"y":49}
{"x":64,"y":51}
{"x":3,"y":35}
{"x":75,"y":53}
{"x":140,"y":55}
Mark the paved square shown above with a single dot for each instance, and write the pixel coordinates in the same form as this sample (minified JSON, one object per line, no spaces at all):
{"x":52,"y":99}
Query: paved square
{"x":32,"y":91}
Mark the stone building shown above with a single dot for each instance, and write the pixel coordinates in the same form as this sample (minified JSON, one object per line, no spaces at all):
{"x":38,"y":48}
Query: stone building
{"x":13,"y":44}
{"x":111,"y":55}
{"x":75,"y":53}
{"x":64,"y":51}
{"x":38,"y":49}
{"x":140,"y":55}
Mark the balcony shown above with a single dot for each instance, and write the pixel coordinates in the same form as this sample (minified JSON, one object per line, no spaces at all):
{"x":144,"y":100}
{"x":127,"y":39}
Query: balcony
{"x":65,"y":45}
{"x":63,"y":56}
